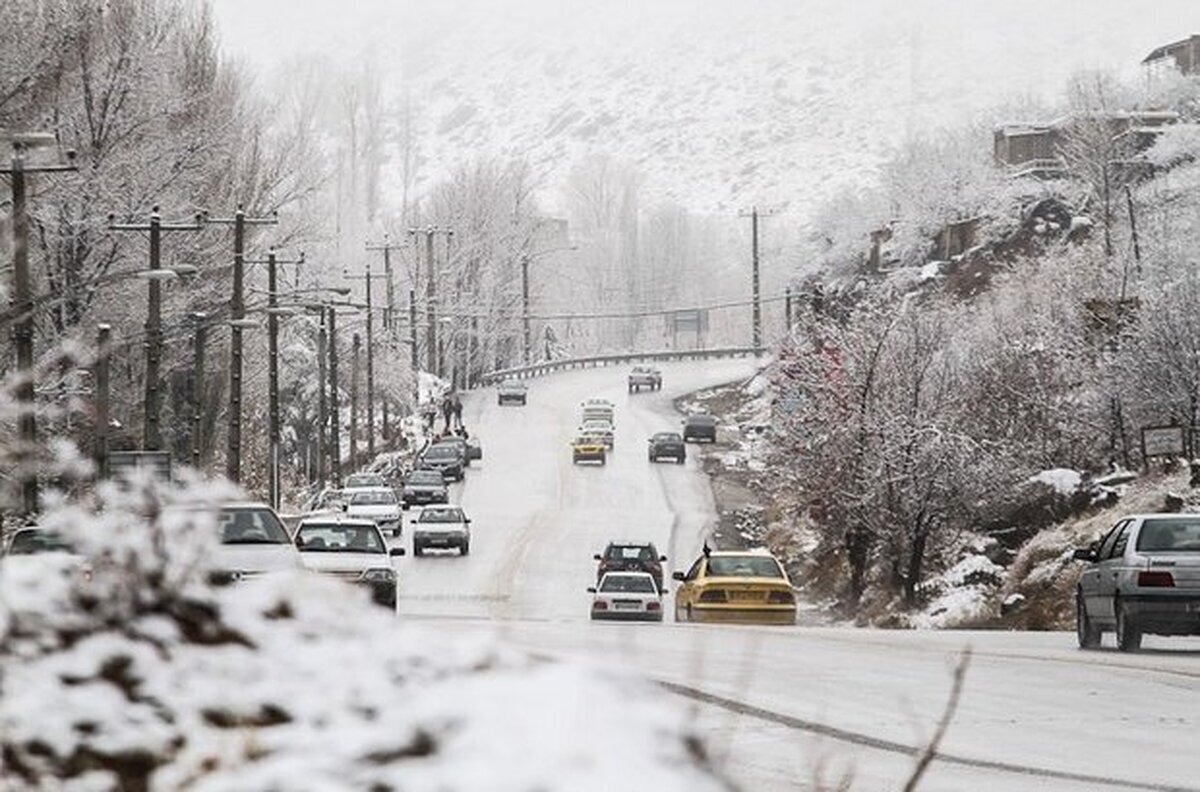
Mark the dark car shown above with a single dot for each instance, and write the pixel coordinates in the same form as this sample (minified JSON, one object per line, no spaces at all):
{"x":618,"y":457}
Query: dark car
{"x":1142,"y":577}
{"x":470,"y":448}
{"x":700,"y":427}
{"x":512,"y":392}
{"x":422,"y":487}
{"x":669,"y":445}
{"x":449,"y":459}
{"x":631,"y":557}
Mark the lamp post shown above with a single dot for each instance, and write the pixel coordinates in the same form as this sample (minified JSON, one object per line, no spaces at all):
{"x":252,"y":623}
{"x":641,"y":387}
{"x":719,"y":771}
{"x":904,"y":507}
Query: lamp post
{"x":526,"y":259}
{"x":22,"y":296}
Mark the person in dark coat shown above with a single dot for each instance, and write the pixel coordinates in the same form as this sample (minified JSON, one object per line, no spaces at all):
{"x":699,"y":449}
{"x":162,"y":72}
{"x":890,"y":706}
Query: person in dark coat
{"x":447,"y":412}
{"x":456,"y":406}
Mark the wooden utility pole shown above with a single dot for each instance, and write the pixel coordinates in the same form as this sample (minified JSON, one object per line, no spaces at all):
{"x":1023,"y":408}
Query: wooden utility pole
{"x":354,"y":404}
{"x":367,"y":277}
{"x":335,"y":418}
{"x":199,"y":343}
{"x":152,"y":398}
{"x":239,"y":221}
{"x":431,"y":331}
{"x":103,"y":343}
{"x":755,"y":286}
{"x":22,"y":298}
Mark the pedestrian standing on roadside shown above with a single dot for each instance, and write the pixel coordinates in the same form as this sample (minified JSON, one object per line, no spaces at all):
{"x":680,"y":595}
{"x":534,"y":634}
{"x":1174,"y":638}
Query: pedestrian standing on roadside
{"x":456,"y":406}
{"x":447,"y":412}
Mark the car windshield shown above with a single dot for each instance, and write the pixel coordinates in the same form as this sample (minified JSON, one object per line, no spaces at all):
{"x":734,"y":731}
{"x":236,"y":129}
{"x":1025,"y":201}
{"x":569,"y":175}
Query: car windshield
{"x":442,"y":515}
{"x":1169,"y":536}
{"x":34,"y":542}
{"x":701,"y":420}
{"x":339,"y":538}
{"x":425,"y":477}
{"x":634,"y":584}
{"x":744,"y":566}
{"x":377,"y":498}
{"x":252,"y":526}
{"x":631,"y":553}
{"x":364,"y":480}
{"x":597,"y":426}
{"x":667,"y":437}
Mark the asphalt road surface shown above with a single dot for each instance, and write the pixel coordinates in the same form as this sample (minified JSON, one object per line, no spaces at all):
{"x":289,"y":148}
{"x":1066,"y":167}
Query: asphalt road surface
{"x":783,"y":708}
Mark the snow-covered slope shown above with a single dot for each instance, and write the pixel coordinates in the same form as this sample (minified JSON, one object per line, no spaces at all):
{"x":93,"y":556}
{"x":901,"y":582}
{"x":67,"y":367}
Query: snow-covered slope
{"x":719,"y":104}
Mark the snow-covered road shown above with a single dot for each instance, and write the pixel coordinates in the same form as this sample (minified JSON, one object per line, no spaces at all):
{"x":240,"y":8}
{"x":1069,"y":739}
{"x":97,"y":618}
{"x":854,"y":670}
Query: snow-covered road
{"x":780,"y":705}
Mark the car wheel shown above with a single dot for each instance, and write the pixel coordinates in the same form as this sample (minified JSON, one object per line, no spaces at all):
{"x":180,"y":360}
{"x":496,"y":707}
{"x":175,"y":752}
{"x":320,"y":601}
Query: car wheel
{"x":680,"y":459}
{"x":1129,"y":634}
{"x":418,"y":550}
{"x":688,"y":611}
{"x":396,"y":533}
{"x":1086,"y":631}
{"x":604,"y":460}
{"x":464,"y":548}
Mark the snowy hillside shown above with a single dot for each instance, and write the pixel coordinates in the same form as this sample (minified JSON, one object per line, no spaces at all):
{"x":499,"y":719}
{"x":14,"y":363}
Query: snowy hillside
{"x":721,"y":105}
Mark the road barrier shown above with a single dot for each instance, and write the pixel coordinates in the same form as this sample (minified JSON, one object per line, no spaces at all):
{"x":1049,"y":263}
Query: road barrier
{"x":617,"y":359}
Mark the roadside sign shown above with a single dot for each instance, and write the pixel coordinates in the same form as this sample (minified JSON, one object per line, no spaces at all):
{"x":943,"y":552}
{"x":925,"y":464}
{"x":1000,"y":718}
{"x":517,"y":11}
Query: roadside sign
{"x":1162,"y":441}
{"x":125,"y":464}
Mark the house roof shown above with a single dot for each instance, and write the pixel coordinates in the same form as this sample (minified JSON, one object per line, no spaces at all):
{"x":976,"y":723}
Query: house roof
{"x":1166,"y":50}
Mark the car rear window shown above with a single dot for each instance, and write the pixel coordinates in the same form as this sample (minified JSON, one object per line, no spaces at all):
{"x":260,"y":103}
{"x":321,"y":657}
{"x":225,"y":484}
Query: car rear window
{"x":744,"y":566}
{"x":425,"y":477}
{"x":362,"y":480}
{"x":1169,"y":536}
{"x":339,"y":538}
{"x":702,"y":420}
{"x":252,"y":526}
{"x":632,"y":584}
{"x":630,"y":553}
{"x":435,"y":515}
{"x":372,"y":498}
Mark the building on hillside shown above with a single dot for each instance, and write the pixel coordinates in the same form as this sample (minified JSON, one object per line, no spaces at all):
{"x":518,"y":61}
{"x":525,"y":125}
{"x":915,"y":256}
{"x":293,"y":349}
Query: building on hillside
{"x":1036,"y":149}
{"x":1185,"y":54}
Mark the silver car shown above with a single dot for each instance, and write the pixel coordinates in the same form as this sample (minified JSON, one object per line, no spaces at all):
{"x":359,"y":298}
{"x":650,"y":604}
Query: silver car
{"x":1143,"y":576}
{"x":443,"y":528}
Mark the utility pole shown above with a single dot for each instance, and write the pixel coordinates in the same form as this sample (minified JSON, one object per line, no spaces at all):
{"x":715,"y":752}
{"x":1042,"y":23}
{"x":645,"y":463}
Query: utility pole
{"x":431,"y":332}
{"x":389,"y":314}
{"x":199,"y":343}
{"x":756,"y":312}
{"x":787,"y":310}
{"x":528,"y":341}
{"x":239,"y":221}
{"x":414,"y":358}
{"x":103,"y":343}
{"x":335,"y":426}
{"x":367,"y":276}
{"x":354,"y":404}
{"x":22,"y":297}
{"x":152,"y":399}
{"x":274,"y":312}
{"x":321,"y":416}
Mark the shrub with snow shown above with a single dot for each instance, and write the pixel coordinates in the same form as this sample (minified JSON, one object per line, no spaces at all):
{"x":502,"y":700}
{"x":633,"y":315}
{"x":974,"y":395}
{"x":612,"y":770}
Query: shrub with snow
{"x":131,"y":672}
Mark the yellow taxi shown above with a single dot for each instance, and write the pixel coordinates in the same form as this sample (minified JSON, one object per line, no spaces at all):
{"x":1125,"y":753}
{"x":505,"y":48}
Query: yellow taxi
{"x":747,"y":586}
{"x":589,"y":448}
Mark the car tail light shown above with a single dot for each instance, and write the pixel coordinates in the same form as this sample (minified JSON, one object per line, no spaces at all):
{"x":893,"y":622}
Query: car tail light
{"x":599,"y":605}
{"x":1155,"y":580}
{"x":653,"y":606}
{"x":781,"y":598}
{"x":712,"y":595}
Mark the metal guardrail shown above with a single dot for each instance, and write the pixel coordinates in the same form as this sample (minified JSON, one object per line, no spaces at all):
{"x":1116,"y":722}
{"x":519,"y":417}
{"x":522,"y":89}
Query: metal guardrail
{"x":616,"y":359}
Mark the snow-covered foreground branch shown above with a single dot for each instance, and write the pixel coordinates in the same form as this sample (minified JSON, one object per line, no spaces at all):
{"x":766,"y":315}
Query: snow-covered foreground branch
{"x":122,"y":668}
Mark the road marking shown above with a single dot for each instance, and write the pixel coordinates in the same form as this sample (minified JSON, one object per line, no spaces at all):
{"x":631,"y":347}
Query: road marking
{"x":867,"y":741}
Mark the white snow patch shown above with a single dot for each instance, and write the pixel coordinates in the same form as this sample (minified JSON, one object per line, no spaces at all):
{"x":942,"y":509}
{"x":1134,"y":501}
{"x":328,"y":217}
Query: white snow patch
{"x":1062,"y":480}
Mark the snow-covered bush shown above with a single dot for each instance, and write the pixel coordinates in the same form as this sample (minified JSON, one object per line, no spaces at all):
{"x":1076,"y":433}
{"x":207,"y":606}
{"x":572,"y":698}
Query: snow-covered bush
{"x":122,"y":668}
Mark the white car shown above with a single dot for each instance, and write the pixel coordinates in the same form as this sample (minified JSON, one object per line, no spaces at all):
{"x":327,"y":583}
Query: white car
{"x":350,"y":549}
{"x":379,"y":504}
{"x":598,"y":409}
{"x":598,"y":428}
{"x":627,"y":596}
{"x":360,"y":481}
{"x":442,"y":527}
{"x":254,"y":541}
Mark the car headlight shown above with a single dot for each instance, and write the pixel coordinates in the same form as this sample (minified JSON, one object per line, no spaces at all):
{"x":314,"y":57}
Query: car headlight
{"x":378,"y":576}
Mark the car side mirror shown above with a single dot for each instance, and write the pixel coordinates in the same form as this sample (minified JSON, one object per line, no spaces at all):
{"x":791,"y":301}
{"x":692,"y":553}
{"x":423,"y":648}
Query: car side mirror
{"x":591,"y":589}
{"x":597,"y":557}
{"x":467,"y":521}
{"x":662,"y":558}
{"x":678,"y":576}
{"x":1084,"y":554}
{"x":396,"y":551}
{"x":345,"y":506}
